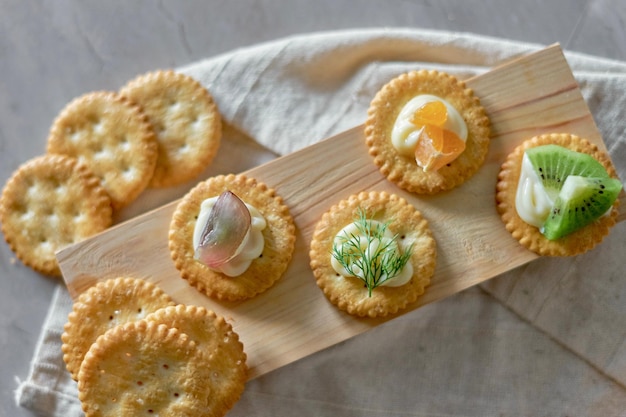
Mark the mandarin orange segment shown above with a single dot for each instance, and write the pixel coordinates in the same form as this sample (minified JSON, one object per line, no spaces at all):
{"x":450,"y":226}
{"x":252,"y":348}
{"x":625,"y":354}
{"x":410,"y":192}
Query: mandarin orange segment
{"x":437,"y":147}
{"x":452,"y":143}
{"x":431,"y":113}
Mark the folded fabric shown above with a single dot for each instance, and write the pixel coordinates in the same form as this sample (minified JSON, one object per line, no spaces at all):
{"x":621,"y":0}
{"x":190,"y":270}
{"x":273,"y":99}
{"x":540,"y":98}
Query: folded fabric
{"x":464,"y":355}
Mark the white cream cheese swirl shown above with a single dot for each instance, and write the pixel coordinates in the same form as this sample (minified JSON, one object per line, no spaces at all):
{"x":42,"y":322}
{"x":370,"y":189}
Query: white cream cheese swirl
{"x":370,"y":245}
{"x":251,"y":247}
{"x":405,"y":134}
{"x":532,"y":202}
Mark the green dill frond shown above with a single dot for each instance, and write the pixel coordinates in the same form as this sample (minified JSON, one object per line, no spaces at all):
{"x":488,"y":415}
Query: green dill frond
{"x":373,"y":267}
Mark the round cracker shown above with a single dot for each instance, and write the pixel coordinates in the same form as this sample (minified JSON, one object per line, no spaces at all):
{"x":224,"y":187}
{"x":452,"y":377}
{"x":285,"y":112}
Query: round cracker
{"x":403,"y":171}
{"x":186,"y":121}
{"x":144,"y":368}
{"x":529,"y":236}
{"x":51,"y":202}
{"x":105,"y":305}
{"x":112,"y":136}
{"x":264,"y":271}
{"x":216,"y":338}
{"x":349,"y":293}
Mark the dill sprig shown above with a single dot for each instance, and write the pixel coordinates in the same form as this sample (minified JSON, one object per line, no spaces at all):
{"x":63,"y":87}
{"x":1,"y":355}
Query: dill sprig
{"x":373,"y":267}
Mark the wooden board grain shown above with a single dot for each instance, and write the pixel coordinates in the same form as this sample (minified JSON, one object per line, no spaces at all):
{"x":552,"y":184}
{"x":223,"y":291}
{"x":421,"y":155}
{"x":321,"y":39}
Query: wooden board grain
{"x":530,"y":95}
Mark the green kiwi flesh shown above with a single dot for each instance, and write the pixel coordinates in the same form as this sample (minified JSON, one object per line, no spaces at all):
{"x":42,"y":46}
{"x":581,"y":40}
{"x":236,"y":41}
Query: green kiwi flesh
{"x":580,"y":202}
{"x":554,"y":163}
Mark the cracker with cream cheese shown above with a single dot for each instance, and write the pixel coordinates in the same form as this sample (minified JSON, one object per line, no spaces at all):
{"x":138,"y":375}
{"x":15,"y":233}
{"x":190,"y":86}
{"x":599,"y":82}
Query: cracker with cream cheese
{"x":403,"y":170}
{"x":530,"y":236}
{"x":264,"y":271}
{"x":349,"y":293}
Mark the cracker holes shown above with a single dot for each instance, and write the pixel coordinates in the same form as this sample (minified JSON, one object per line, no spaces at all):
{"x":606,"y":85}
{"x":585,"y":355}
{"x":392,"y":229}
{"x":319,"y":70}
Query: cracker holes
{"x":128,"y":172}
{"x":100,"y":153}
{"x":184,"y":148}
{"x":81,"y":160}
{"x":124,"y":167}
{"x":93,"y":119}
{"x":53,"y":182}
{"x":173,"y":105}
{"x":75,"y":137}
{"x":51,"y":216}
{"x":98,"y":128}
{"x":159,"y":129}
{"x":33,"y":192}
{"x":124,"y":143}
{"x":21,"y":211}
{"x":76,"y":214}
{"x":60,"y":191}
{"x":196,"y":122}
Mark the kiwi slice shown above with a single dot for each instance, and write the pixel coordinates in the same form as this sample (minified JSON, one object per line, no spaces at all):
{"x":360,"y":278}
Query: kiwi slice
{"x":554,"y":163}
{"x":580,"y":202}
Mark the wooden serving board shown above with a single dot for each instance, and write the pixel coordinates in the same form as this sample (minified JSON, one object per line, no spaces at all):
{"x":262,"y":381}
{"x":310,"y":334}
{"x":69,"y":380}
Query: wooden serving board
{"x":530,"y":95}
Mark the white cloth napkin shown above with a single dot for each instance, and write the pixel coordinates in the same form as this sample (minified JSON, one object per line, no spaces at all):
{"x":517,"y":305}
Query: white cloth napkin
{"x":553,"y":343}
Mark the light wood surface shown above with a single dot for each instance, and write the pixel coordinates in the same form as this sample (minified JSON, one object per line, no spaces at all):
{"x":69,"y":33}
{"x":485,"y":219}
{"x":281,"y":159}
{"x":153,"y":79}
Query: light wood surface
{"x":531,"y":95}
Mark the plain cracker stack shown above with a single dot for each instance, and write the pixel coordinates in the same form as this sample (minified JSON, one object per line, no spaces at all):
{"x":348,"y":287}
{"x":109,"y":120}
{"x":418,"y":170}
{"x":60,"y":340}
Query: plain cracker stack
{"x":49,"y":203}
{"x":144,"y":368}
{"x":112,"y":136}
{"x":217,"y":340}
{"x":530,"y":236}
{"x":185,"y":119}
{"x":264,"y":271}
{"x":133,"y":351}
{"x":349,"y":293}
{"x":105,"y":305}
{"x":403,"y":171}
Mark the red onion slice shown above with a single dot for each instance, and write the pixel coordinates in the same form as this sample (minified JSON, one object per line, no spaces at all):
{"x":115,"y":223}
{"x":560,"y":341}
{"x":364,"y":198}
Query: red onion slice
{"x":224,"y":232}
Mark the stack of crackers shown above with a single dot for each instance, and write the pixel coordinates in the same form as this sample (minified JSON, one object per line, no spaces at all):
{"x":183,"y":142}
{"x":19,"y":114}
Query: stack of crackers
{"x":133,"y":351}
{"x":104,"y":148}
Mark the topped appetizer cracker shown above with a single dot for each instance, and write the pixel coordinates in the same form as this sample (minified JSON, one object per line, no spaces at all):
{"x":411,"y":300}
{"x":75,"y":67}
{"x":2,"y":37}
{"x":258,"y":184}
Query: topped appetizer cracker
{"x":557,"y":194}
{"x":231,"y":237}
{"x":373,"y":254}
{"x":427,"y":131}
{"x":185,"y":119}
